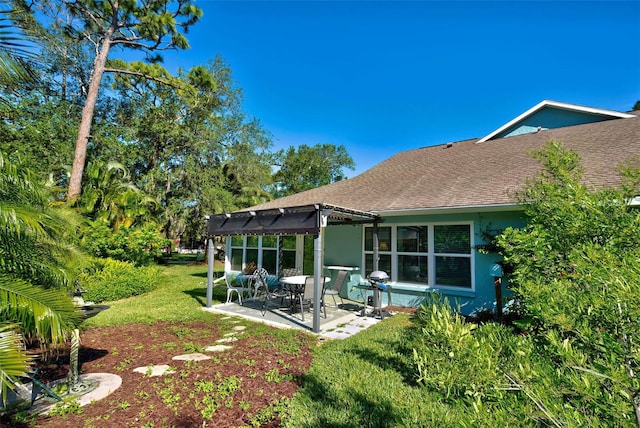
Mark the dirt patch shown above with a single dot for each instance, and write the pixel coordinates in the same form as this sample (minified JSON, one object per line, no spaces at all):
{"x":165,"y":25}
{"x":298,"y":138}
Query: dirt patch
{"x":237,"y":387}
{"x":404,"y":309}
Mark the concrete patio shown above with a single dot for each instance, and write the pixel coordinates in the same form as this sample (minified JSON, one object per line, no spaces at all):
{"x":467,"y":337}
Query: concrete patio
{"x":341,"y":321}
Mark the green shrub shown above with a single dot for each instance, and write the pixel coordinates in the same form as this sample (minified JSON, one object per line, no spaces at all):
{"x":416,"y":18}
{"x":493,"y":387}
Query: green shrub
{"x":113,"y":280}
{"x":576,"y":279}
{"x":452,"y":360}
{"x":490,"y":375}
{"x":140,"y":245}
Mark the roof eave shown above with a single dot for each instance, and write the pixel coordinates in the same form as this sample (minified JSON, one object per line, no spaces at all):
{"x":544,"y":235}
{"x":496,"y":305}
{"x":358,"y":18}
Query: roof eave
{"x":451,"y":210}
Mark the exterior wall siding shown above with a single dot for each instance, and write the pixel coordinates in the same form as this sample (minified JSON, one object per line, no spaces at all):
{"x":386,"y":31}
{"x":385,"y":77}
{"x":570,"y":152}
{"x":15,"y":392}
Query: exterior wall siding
{"x":343,"y":246}
{"x":551,"y":118}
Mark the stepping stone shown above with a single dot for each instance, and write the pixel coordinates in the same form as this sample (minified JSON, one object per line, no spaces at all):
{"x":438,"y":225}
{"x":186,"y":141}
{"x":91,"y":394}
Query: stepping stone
{"x":154,"y":370}
{"x":239,"y":327}
{"x":227,"y":339}
{"x":217,"y":348}
{"x":230,"y":334}
{"x":196,"y":356}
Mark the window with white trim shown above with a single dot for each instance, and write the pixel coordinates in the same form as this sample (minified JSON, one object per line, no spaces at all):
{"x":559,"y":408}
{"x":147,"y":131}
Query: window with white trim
{"x":263,"y":251}
{"x":423,"y":254}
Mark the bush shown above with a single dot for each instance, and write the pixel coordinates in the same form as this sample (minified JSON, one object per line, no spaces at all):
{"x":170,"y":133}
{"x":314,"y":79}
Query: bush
{"x":140,"y":245}
{"x":113,"y":279}
{"x":490,"y":375}
{"x":577,"y":281}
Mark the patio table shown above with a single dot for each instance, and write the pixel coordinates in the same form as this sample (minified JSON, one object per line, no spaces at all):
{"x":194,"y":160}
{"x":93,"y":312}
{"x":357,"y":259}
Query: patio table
{"x":295,"y":286}
{"x":296,"y":281}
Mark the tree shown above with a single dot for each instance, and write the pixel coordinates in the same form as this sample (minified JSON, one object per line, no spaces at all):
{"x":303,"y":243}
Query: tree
{"x":35,"y":273}
{"x":577,"y":282}
{"x":111,"y":198}
{"x":148,"y":26}
{"x":192,"y":147}
{"x":32,"y":252}
{"x":310,"y":167}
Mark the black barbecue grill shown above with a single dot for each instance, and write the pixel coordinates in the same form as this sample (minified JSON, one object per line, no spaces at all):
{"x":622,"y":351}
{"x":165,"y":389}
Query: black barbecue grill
{"x":377,"y":284}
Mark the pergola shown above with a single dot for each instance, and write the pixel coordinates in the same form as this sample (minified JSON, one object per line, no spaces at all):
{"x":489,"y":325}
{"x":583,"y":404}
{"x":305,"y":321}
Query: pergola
{"x":299,"y":220}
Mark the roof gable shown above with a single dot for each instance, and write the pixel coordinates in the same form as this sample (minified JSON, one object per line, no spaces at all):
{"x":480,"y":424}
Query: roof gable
{"x":551,"y":115}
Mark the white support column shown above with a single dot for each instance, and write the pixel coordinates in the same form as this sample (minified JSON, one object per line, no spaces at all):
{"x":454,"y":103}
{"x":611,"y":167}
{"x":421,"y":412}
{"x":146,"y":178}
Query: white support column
{"x":210,"y":271}
{"x":318,"y":281}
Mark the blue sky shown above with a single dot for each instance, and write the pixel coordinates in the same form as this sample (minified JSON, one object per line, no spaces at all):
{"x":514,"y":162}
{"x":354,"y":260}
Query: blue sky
{"x":383,"y":77}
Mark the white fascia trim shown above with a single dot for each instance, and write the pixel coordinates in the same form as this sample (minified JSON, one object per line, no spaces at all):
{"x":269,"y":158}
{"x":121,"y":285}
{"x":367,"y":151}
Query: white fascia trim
{"x":557,"y":104}
{"x":451,"y":210}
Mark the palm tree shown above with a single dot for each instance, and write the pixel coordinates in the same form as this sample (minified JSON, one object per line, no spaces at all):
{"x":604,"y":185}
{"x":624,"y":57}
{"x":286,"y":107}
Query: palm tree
{"x":34,"y":272}
{"x":109,"y":197}
{"x":33,"y":277}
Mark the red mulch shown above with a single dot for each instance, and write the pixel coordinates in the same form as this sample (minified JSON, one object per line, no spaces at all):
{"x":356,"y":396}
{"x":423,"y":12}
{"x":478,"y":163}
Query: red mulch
{"x":267,"y":367}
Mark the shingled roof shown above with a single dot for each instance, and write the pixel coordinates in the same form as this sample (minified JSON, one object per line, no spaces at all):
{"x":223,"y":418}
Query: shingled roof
{"x":475,"y":175}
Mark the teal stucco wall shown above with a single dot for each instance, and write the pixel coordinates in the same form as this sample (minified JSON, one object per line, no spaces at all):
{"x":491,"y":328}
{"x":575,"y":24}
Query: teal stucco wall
{"x":343,"y":245}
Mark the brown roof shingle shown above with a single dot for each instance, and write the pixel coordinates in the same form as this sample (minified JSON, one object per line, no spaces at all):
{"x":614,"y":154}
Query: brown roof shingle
{"x":468,"y":173}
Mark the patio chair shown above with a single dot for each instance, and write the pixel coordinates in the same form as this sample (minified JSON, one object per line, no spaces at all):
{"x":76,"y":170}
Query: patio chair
{"x":240,"y":290}
{"x":259,"y":281}
{"x":305,"y":297}
{"x":270,"y":293}
{"x":336,"y":287}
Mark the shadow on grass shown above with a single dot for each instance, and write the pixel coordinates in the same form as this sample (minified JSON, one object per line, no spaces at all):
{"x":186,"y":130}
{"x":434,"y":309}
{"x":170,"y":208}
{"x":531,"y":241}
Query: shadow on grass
{"x":362,"y":410}
{"x":216,"y":274}
{"x":200,"y":294}
{"x":200,"y":275}
{"x":400,"y":362}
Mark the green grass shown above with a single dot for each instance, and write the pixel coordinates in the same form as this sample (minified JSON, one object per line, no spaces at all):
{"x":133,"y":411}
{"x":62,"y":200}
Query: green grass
{"x":180,"y":296}
{"x":367,"y":380}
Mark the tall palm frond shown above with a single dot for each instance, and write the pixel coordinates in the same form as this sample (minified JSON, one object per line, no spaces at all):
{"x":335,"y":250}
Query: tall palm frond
{"x":108,"y":196}
{"x":14,"y":361}
{"x":35,"y":236}
{"x":14,"y":71}
{"x":46,"y":315}
{"x":35,"y":260}
{"x":16,"y":50}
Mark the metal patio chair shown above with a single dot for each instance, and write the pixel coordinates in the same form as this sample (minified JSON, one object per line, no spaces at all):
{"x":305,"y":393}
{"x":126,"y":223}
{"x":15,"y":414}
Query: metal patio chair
{"x":240,"y":290}
{"x":269,"y":293}
{"x":336,"y":288}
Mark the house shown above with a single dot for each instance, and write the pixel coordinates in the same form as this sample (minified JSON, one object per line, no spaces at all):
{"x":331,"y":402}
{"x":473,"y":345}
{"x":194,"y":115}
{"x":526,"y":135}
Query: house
{"x":427,"y":209}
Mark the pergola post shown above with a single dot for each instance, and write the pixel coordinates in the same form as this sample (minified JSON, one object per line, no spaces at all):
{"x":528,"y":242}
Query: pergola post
{"x":209,"y":271}
{"x":318,"y":281}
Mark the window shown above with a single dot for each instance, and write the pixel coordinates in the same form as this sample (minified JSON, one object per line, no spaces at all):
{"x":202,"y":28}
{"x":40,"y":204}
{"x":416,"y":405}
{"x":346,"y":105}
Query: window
{"x":263,"y":251}
{"x":237,"y":249}
{"x":384,"y":250}
{"x":429,"y":254}
{"x":452,"y":247}
{"x":288,"y":252}
{"x":412,"y":246}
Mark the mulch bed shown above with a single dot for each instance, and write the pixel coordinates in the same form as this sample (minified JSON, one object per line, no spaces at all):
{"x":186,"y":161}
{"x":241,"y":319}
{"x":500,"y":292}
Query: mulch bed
{"x":237,"y":387}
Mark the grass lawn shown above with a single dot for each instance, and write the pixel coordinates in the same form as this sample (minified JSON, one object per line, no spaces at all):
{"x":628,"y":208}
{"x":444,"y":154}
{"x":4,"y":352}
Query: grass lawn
{"x":180,"y":295}
{"x":367,"y":380}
